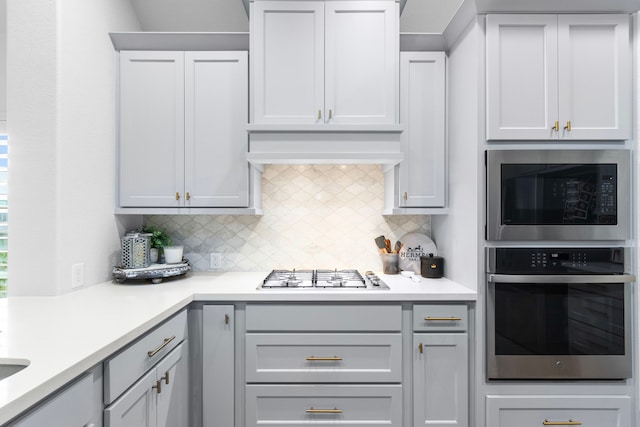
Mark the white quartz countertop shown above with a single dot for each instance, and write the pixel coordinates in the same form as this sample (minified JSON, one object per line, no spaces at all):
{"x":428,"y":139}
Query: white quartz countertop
{"x":64,"y":336}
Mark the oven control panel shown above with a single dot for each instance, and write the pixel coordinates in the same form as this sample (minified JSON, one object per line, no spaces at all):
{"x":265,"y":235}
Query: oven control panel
{"x":557,"y":260}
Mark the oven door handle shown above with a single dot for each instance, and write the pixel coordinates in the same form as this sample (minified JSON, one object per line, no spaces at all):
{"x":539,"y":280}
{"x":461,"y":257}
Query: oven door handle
{"x":548,"y":278}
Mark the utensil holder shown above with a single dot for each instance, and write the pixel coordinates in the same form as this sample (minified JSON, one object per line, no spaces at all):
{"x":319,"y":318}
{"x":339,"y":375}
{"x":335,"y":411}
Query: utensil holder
{"x":390,"y":263}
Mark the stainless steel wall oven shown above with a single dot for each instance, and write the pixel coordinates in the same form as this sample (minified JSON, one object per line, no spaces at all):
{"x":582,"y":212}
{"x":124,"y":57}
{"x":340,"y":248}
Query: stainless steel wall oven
{"x":558,"y":313}
{"x":558,"y":195}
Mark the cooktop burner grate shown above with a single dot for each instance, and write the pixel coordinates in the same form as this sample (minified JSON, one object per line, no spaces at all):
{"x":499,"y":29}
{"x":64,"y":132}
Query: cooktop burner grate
{"x":327,"y":279}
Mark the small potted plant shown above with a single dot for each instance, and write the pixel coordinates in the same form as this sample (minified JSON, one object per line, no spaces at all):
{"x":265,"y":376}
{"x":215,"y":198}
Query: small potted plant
{"x":158,"y":240}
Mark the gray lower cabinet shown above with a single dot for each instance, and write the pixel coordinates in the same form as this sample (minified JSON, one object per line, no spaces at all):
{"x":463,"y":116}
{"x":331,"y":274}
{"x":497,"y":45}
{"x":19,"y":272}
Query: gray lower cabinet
{"x":147,"y":383}
{"x":323,"y":364}
{"x":158,"y":399}
{"x":440,"y":365}
{"x":576,"y":410}
{"x":440,"y":380}
{"x":218,"y":365}
{"x":324,"y":405}
{"x":70,"y":407}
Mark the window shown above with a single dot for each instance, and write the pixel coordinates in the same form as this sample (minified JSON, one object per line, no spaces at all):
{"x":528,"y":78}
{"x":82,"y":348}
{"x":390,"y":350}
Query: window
{"x":4,"y":213}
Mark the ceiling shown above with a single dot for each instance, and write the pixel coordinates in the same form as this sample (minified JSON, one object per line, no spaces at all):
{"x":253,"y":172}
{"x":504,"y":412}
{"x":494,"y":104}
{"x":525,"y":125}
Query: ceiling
{"x":418,"y":16}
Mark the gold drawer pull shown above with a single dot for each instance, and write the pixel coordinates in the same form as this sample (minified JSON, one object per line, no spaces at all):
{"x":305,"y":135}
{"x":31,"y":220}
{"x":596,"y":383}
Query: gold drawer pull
{"x":561,"y":423}
{"x":161,"y":346}
{"x":568,"y":126}
{"x":323,"y":411}
{"x":440,"y":319}
{"x":556,"y":127}
{"x":334,"y":358}
{"x":158,"y":386}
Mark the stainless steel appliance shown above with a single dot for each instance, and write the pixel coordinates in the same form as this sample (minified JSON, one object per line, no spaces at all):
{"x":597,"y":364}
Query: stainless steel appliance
{"x":322,"y":279}
{"x":558,"y":313}
{"x":558,"y":195}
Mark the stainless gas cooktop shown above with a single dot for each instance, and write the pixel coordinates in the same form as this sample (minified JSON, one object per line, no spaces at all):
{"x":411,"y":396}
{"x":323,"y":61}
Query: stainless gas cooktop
{"x":322,"y":279}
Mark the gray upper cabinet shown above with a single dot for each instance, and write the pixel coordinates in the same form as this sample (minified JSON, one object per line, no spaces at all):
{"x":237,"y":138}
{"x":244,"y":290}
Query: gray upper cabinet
{"x":182,"y":136}
{"x":558,"y":77}
{"x":419,"y":181}
{"x":324,"y":63}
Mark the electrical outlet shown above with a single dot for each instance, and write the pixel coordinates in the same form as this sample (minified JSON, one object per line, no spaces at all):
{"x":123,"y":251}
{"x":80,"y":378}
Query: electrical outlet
{"x":215,"y":261}
{"x":77,"y":275}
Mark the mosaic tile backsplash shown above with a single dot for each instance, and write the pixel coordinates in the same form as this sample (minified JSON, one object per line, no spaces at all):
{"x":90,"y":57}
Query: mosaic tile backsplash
{"x":315,"y":216}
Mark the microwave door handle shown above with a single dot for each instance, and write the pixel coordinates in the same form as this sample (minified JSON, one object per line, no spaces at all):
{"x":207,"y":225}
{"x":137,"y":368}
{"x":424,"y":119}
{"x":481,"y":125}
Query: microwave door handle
{"x":548,"y":278}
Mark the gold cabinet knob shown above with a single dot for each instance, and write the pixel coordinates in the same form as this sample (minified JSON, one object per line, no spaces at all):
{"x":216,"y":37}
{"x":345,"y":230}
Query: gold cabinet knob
{"x":556,"y":127}
{"x":568,"y":126}
{"x":165,"y":377}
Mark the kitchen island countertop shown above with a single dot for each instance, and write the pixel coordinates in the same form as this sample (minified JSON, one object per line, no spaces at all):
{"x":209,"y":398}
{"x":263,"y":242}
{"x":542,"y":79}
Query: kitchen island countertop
{"x":64,"y":336}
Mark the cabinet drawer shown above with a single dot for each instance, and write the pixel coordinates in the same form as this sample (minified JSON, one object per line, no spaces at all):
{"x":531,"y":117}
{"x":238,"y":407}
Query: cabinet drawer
{"x":323,"y":317}
{"x":440,"y":317}
{"x":324,"y":405}
{"x":324,"y":358}
{"x":124,"y":368}
{"x":70,"y":407}
{"x":536,"y":411}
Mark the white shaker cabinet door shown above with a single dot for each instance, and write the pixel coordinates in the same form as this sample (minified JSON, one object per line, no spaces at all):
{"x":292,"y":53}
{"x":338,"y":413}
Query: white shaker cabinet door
{"x":440,"y":380}
{"x":594,"y":63}
{"x":522,"y":78}
{"x":288,"y":63}
{"x":136,"y":407}
{"x":218,"y":365}
{"x":172,"y":401}
{"x":216,"y":143}
{"x":422,"y":112}
{"x":151,"y":148}
{"x":361,"y":43}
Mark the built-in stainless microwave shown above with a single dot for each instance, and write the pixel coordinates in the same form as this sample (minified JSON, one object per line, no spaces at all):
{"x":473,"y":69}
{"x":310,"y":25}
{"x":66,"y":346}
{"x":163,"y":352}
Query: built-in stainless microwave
{"x":558,"y":195}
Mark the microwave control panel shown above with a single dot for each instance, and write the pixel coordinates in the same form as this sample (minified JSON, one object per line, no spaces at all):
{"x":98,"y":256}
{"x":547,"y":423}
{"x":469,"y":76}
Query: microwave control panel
{"x":608,"y":204}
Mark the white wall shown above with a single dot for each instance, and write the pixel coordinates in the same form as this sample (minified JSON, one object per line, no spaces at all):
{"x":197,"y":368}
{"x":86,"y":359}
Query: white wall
{"x":458,"y":234}
{"x":61,"y":114}
{"x":427,"y":16}
{"x":636,"y":219}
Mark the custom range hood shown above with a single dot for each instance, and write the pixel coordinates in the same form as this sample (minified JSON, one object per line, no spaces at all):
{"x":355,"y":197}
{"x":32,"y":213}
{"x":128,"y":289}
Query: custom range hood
{"x":325,"y":144}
